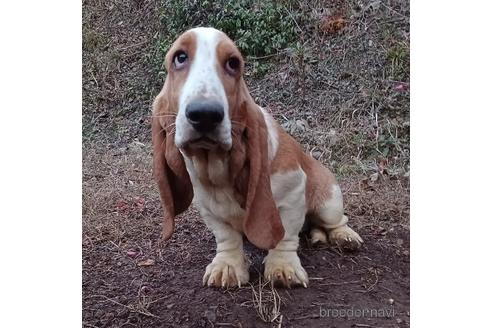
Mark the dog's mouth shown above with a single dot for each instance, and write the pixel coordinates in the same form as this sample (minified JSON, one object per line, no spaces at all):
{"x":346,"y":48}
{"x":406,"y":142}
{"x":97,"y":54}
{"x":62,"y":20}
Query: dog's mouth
{"x":203,"y":142}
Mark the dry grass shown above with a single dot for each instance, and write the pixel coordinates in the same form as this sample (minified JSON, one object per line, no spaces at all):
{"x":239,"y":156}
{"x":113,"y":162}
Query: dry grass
{"x":267,"y":302}
{"x":350,"y":89}
{"x":141,"y":304}
{"x":117,"y":188}
{"x":344,"y":86}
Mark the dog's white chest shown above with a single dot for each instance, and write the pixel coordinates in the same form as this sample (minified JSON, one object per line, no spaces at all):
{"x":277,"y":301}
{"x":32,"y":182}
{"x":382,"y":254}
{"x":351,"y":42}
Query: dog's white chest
{"x":219,"y":202}
{"x":215,"y":201}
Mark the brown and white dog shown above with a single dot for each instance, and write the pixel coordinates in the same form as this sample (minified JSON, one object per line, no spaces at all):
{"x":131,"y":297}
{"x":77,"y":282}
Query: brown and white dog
{"x":246,"y":175}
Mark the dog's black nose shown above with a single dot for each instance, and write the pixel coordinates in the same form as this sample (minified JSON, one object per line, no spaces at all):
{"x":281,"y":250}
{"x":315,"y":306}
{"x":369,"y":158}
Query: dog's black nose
{"x":204,"y":115}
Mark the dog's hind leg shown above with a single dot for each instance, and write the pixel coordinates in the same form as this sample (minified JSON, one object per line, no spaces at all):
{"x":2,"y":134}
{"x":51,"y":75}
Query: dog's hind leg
{"x":318,"y":236}
{"x":328,"y":217}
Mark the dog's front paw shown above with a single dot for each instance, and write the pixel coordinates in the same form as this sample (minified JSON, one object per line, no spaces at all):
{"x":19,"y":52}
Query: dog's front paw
{"x":228,"y":269}
{"x":284,"y":268}
{"x":346,"y":238}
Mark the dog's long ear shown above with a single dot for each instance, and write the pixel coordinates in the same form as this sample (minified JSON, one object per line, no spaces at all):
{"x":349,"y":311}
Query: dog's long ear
{"x":262,"y":224}
{"x":169,"y":169}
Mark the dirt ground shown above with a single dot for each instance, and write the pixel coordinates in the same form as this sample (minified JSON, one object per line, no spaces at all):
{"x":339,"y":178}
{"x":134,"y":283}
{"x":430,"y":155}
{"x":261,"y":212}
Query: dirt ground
{"x":346,"y":100}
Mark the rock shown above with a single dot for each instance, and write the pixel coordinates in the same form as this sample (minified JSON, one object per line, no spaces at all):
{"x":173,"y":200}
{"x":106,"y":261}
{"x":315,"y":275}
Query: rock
{"x":210,"y":315}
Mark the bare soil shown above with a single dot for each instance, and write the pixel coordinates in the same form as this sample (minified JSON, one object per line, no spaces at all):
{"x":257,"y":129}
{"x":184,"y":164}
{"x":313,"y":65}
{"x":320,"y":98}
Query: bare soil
{"x":337,"y":106}
{"x":119,"y":293}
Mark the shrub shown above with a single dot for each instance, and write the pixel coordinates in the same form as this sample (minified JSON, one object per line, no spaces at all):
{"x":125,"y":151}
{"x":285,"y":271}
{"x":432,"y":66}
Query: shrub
{"x":258,"y":27}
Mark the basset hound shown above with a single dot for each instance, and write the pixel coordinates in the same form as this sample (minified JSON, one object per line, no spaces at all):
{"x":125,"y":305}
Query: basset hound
{"x":212,"y":144}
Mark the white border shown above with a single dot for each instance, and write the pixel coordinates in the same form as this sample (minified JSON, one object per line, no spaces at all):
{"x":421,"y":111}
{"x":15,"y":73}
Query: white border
{"x":40,"y":130}
{"x":450,"y":167}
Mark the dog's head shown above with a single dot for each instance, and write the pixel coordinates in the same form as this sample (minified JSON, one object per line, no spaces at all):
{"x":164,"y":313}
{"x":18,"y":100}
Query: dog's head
{"x":205,"y":87}
{"x":205,"y":105}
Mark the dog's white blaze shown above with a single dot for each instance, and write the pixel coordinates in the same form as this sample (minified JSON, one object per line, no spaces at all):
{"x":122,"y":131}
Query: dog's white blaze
{"x":203,"y":82}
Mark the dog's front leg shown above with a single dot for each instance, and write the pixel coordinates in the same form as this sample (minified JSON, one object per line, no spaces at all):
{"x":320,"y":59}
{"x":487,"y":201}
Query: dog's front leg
{"x":282,"y":264}
{"x":229,"y":267}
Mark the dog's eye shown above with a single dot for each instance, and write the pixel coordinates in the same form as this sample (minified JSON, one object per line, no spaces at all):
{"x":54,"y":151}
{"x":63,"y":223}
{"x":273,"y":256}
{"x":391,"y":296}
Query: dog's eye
{"x":232,"y":65}
{"x":180,"y":59}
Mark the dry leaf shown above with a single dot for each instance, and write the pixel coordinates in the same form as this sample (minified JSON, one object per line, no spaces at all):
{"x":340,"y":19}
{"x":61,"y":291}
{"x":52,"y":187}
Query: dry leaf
{"x":140,"y":203}
{"x":139,"y":200}
{"x":333,"y":24}
{"x":401,"y":87}
{"x":147,"y":262}
{"x":131,"y":253}
{"x":121,"y":206}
